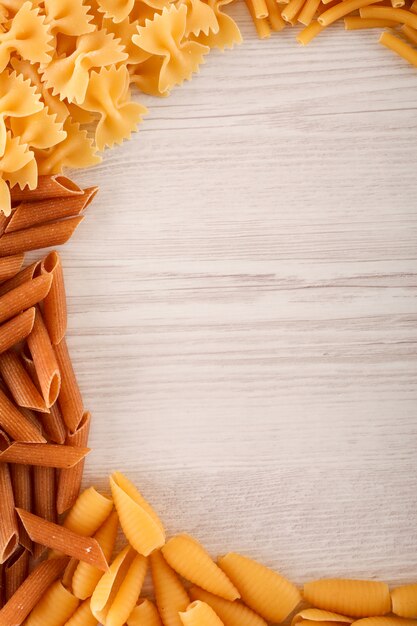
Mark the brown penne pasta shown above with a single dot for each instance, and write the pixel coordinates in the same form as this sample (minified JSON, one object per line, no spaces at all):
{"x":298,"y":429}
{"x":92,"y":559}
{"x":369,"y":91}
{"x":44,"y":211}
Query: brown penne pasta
{"x":44,"y":500}
{"x":45,"y":361}
{"x":24,"y":296}
{"x":16,"y":424}
{"x":21,"y":476}
{"x":69,"y":399}
{"x":19,"y":382}
{"x":3,"y":222}
{"x":10,"y":266}
{"x":31,"y":591}
{"x":53,"y":425}
{"x":63,"y":540}
{"x":57,"y":186}
{"x":43,"y":236}
{"x":55,"y":302}
{"x":43,"y":454}
{"x":69,"y":482}
{"x":9,"y":530}
{"x":16,"y":329}
{"x":16,"y":570}
{"x":23,"y":276}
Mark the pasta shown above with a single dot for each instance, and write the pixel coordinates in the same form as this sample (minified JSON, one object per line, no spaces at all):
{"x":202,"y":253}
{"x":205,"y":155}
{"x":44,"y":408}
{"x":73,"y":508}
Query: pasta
{"x":396,"y":15}
{"x":82,"y":616}
{"x":56,"y":607}
{"x":89,"y":512}
{"x":21,"y":277}
{"x":144,"y":614}
{"x":410,"y":34}
{"x":341,"y":9}
{"x":24,"y":297}
{"x":263,"y":590}
{"x":16,"y":424}
{"x":10,"y":266}
{"x":69,"y":481}
{"x":46,"y":455}
{"x":43,"y":356}
{"x":36,"y":237}
{"x":308,"y":12}
{"x":13,"y":159}
{"x":357,"y":23}
{"x":189,"y":559}
{"x":358,"y":598}
{"x":385,"y":621}
{"x":53,"y":426}
{"x":200,"y":18}
{"x":117,"y":10}
{"x":320,"y":616}
{"x":44,"y":500}
{"x":69,"y":399}
{"x":171,"y":597}
{"x":22,"y":490}
{"x":9,"y":531}
{"x":15,"y":572}
{"x":68,"y":16}
{"x":231,"y":613}
{"x":54,"y":304}
{"x":200,"y":614}
{"x":19,"y":382}
{"x":38,"y":130}
{"x":48,"y":187}
{"x":404,"y":600}
{"x":134,"y":512}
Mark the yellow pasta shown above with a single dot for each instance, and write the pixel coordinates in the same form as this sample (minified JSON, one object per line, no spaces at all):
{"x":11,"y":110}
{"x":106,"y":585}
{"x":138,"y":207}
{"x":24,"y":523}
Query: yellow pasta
{"x":308,"y":11}
{"x":55,"y":608}
{"x":89,"y":512}
{"x":341,"y":9}
{"x":170,"y":595}
{"x":68,"y":16}
{"x":385,"y":621}
{"x":82,"y":616}
{"x":352,"y":22}
{"x":134,"y":514}
{"x":231,"y":613}
{"x":263,"y":590}
{"x":200,"y":614}
{"x":410,"y":33}
{"x":292,"y":9}
{"x":399,"y":46}
{"x":228,"y":34}
{"x":358,"y":598}
{"x":200,"y":18}
{"x":144,"y":614}
{"x":189,"y":559}
{"x":400,"y":16}
{"x":318,"y":616}
{"x":13,"y":159}
{"x":404,"y":600}
{"x":117,"y":10}
{"x":261,"y":24}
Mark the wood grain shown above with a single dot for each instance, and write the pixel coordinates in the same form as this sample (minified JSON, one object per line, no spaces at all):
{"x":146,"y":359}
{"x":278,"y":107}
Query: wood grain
{"x":242,"y":306}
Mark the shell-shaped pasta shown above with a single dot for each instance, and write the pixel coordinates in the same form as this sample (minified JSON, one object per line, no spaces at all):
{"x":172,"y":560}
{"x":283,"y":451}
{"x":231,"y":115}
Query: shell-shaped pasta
{"x":144,"y":614}
{"x":200,"y":18}
{"x":387,"y":620}
{"x":164,"y":36}
{"x":86,"y":576}
{"x":188,"y":557}
{"x":170,"y":595}
{"x":404,"y":600}
{"x":39,"y":130}
{"x":200,"y":614}
{"x":82,"y":616}
{"x":117,"y":10}
{"x":141,"y":525}
{"x":231,"y":613}
{"x":55,"y":608}
{"x":118,"y":590}
{"x":358,"y":598}
{"x":228,"y":33}
{"x":68,"y":16}
{"x":320,"y":618}
{"x":88,"y":513}
{"x":263,"y":590}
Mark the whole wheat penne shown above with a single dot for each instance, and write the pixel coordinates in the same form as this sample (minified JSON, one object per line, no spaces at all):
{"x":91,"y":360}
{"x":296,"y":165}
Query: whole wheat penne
{"x":63,"y":540}
{"x":16,"y":329}
{"x":53,"y":425}
{"x":45,"y":361}
{"x":55,"y":302}
{"x":31,"y":591}
{"x":55,"y":186}
{"x":37,"y":237}
{"x":29,"y":272}
{"x":43,"y":454}
{"x":24,"y":296}
{"x":19,"y":382}
{"x":3,"y":222}
{"x":10,"y":266}
{"x":15,"y":571}
{"x":69,"y":400}
{"x":9,"y":530}
{"x":44,"y":500}
{"x":17,"y":425}
{"x":30,"y":365}
{"x":21,"y":476}
{"x":69,"y":481}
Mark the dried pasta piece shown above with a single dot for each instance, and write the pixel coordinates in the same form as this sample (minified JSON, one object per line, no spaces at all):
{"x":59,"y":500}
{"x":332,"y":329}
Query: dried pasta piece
{"x":308,"y":11}
{"x":410,"y":34}
{"x":401,"y":16}
{"x":341,"y":9}
{"x":274,"y":16}
{"x":358,"y":598}
{"x":353,"y":22}
{"x":42,"y":236}
{"x":14,"y":158}
{"x":117,"y":10}
{"x":171,"y":597}
{"x":321,"y":617}
{"x":23,"y":297}
{"x":38,"y":130}
{"x":200,"y":18}
{"x":18,"y":98}
{"x":228,"y":34}
{"x":53,"y":425}
{"x":141,"y":526}
{"x":69,"y":482}
{"x":86,"y":577}
{"x":63,"y":540}
{"x":19,"y":382}
{"x":14,"y":422}
{"x":31,"y":591}
{"x":145,"y":76}
{"x":189,"y":559}
{"x":56,"y":186}
{"x":55,"y":303}
{"x":144,"y":614}
{"x":25,"y":176}
{"x":124,"y":31}
{"x":9,"y":530}
{"x":10,"y":266}
{"x":56,"y":607}
{"x":68,"y":16}
{"x":404,"y":600}
{"x":231,"y":613}
{"x":89,"y":512}
{"x":82,"y":616}
{"x":45,"y":455}
{"x":15,"y":571}
{"x":309,"y":32}
{"x":200,"y":614}
{"x":292,"y":9}
{"x":21,"y":476}
{"x":44,"y":500}
{"x":44,"y":358}
{"x":70,"y":400}
{"x":388,"y":620}
{"x":262,"y":589}
{"x":118,"y":590}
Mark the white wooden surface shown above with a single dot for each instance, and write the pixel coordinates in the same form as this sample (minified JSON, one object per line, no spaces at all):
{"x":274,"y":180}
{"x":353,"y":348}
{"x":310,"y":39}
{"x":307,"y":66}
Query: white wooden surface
{"x":243,"y":313}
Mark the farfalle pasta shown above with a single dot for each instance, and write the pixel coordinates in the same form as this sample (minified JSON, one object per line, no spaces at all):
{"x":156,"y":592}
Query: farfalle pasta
{"x":70,"y":17}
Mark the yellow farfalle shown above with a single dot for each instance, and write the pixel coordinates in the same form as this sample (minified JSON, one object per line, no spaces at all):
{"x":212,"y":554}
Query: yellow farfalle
{"x":39,"y":130}
{"x":228,"y":33}
{"x":146,"y":76}
{"x":25,"y":176}
{"x":68,"y":16}
{"x":164,"y":37}
{"x":124,"y":31}
{"x":200,"y":18}
{"x":16,"y":157}
{"x":117,"y":10}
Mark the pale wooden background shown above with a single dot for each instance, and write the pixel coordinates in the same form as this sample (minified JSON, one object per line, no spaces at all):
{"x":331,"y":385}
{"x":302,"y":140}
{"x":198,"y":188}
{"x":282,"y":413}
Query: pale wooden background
{"x":243,"y":313}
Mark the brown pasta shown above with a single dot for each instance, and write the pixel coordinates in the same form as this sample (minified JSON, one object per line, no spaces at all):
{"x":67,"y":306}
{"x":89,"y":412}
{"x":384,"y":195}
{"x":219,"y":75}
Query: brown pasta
{"x":23,"y":276}
{"x":63,"y":540}
{"x":15,"y":572}
{"x":19,"y":382}
{"x":44,"y":501}
{"x":9,"y":531}
{"x":43,"y":454}
{"x":69,"y":482}
{"x":16,"y":424}
{"x":43,"y":236}
{"x":55,"y":304}
{"x":70,"y":400}
{"x":24,"y":296}
{"x":53,"y":424}
{"x":44,"y":358}
{"x":31,"y":591}
{"x":10,"y":266}
{"x":21,"y":476}
{"x":56,"y":186}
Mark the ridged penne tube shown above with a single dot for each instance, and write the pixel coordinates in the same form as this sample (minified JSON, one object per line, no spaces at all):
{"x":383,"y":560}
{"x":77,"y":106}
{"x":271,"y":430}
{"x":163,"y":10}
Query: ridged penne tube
{"x":340,"y":10}
{"x":263,"y":590}
{"x":31,"y":591}
{"x":144,"y":614}
{"x":171,"y":596}
{"x":69,"y":400}
{"x":15,"y":572}
{"x":44,"y":500}
{"x":86,"y":577}
{"x":353,"y":22}
{"x":10,"y":266}
{"x":55,"y":303}
{"x":28,"y":273}
{"x":189,"y":559}
{"x":43,"y":455}
{"x":389,"y":620}
{"x":89,"y":512}
{"x":16,"y":424}
{"x":63,"y":540}
{"x":56,"y":186}
{"x":82,"y":616}
{"x":21,"y":476}
{"x":231,"y":613}
{"x":16,"y":329}
{"x":19,"y":382}
{"x":401,"y":16}
{"x":45,"y":361}
{"x":318,"y":616}
{"x":53,"y":425}
{"x":9,"y":530}
{"x":404,"y":600}
{"x":399,"y":46}
{"x":359,"y":598}
{"x":200,"y":614}
{"x":136,"y":513}
{"x":69,"y":482}
{"x":37,"y":237}
{"x":23,"y":297}
{"x":118,"y":590}
{"x":55,"y":608}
